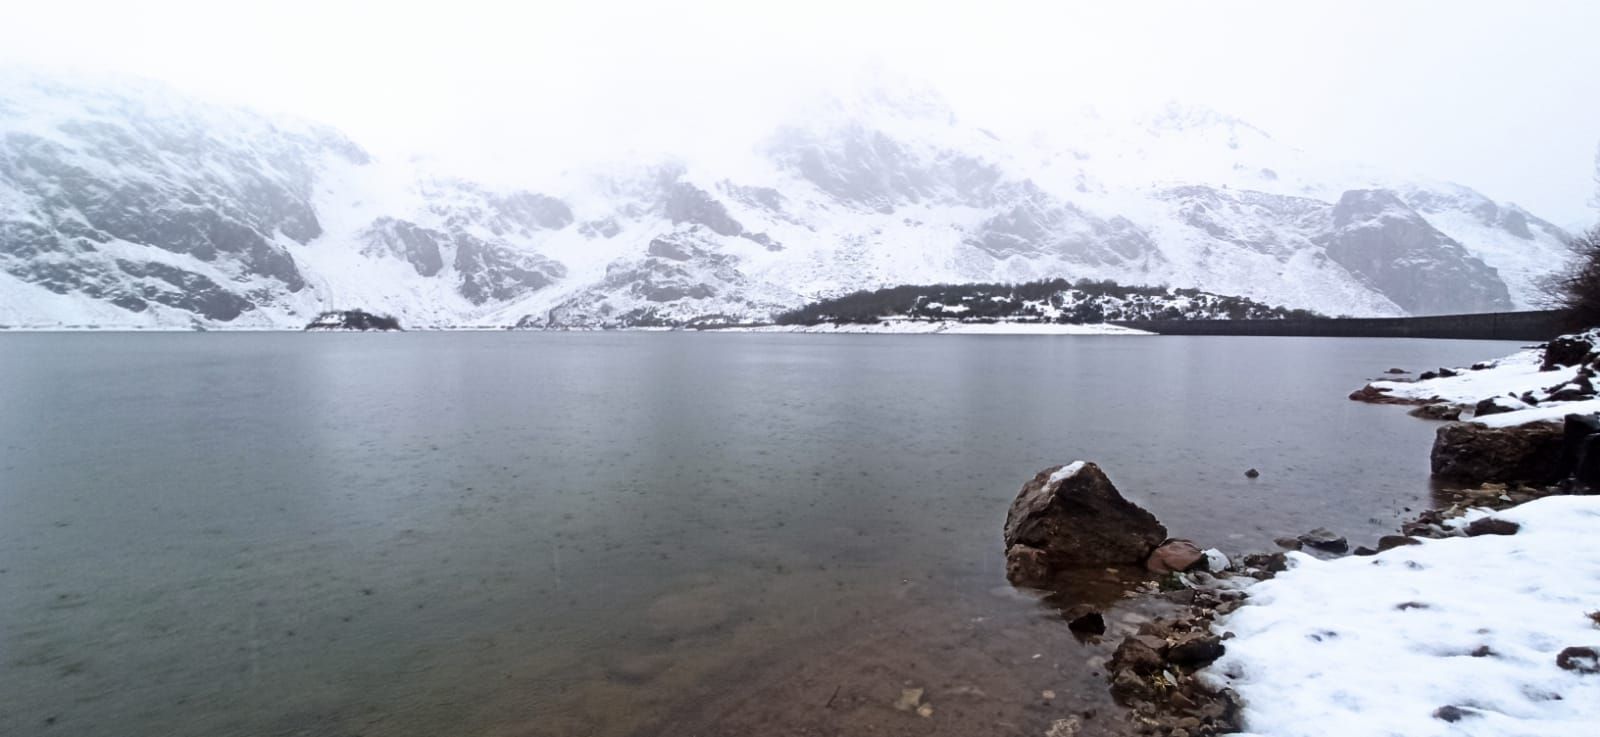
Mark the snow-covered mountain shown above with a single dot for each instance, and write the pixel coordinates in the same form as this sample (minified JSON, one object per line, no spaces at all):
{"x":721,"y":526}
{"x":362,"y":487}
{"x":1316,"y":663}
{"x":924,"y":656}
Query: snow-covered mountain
{"x":131,"y":205}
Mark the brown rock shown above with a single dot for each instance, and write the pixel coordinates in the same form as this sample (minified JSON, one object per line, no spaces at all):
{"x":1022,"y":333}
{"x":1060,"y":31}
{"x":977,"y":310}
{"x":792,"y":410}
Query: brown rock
{"x":1440,"y":411}
{"x":1585,"y":660}
{"x":1374,"y":395}
{"x":1085,"y":620}
{"x":1175,"y":556}
{"x":1127,"y":684}
{"x":1136,"y":654}
{"x":1323,"y":539}
{"x":1492,"y":526}
{"x":1476,"y":454}
{"x":1274,"y":562}
{"x":1072,"y":517}
{"x":1388,"y":542}
{"x":1500,"y":405}
{"x":1196,"y":650}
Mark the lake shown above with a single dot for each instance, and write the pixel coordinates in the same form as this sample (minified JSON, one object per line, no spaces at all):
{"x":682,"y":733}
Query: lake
{"x":621,"y":533}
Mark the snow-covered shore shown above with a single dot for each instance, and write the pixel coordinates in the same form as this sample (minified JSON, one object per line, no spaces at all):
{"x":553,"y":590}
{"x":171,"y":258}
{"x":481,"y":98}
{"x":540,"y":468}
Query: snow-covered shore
{"x":943,"y":327}
{"x":1509,"y":377}
{"x":1383,"y":645}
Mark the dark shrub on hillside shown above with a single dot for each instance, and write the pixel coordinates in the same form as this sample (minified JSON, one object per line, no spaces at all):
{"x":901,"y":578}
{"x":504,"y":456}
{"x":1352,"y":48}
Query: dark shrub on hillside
{"x":1058,"y":300}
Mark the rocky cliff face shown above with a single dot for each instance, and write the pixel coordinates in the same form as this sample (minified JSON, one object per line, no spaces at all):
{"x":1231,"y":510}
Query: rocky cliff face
{"x":135,"y":206}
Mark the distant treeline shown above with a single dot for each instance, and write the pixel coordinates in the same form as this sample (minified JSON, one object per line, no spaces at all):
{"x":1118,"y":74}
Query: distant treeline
{"x":1049,"y":300}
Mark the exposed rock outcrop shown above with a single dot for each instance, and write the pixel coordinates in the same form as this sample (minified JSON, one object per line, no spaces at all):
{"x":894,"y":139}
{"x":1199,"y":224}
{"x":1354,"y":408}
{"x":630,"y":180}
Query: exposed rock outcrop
{"x":1476,"y":454}
{"x":1567,"y":350}
{"x":1072,"y":517}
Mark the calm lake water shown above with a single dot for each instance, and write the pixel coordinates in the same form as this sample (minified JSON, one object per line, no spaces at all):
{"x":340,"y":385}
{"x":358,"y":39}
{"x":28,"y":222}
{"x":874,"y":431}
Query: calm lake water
{"x":531,"y":534}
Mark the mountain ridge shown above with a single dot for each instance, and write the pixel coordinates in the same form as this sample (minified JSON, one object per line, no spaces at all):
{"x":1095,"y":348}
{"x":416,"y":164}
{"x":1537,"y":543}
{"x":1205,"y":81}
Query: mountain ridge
{"x":146,"y":208}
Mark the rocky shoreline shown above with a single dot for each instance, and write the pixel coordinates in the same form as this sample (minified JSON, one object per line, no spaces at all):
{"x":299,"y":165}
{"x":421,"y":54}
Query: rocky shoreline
{"x":1071,"y":518}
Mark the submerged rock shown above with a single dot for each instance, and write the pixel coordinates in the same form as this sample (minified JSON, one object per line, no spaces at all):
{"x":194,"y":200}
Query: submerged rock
{"x":1085,"y":620}
{"x":1476,"y":454}
{"x":353,"y":320}
{"x":1375,"y":395}
{"x":1072,"y":517}
{"x":1324,"y":539}
{"x":1175,"y":556}
{"x":1440,"y":411}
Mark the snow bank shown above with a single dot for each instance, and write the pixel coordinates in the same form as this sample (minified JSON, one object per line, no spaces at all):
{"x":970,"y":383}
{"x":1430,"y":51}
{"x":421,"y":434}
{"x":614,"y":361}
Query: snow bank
{"x":1375,"y":645}
{"x":946,"y":327}
{"x":1514,"y":374}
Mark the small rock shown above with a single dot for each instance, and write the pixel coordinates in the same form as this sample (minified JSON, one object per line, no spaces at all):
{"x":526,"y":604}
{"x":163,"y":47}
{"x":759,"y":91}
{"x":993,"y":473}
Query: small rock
{"x":1063,"y":728}
{"x":1498,"y":405}
{"x":909,"y":699}
{"x":1137,"y":656}
{"x":1252,"y":473}
{"x":1397,"y":371}
{"x":1585,"y":660}
{"x":1363,"y":550}
{"x":1453,"y":713}
{"x":1323,"y":539}
{"x":1083,"y":619}
{"x":1196,"y":651}
{"x":1127,"y":684}
{"x":925,"y":711}
{"x":1274,"y":562}
{"x":1174,"y":556}
{"x":1184,"y":597}
{"x":1216,"y":562}
{"x":1389,"y":542}
{"x":1288,"y":543}
{"x":1438,"y":411}
{"x":1492,"y":526}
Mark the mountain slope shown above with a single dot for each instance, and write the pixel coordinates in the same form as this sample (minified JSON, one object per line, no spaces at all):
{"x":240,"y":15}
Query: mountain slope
{"x":134,"y":206}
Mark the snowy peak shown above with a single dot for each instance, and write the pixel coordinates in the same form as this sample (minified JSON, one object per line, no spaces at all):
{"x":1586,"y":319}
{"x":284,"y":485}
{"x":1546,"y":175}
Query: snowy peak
{"x":135,"y":206}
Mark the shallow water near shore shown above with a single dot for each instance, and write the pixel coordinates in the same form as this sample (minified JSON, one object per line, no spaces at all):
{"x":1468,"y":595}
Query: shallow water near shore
{"x":621,"y":533}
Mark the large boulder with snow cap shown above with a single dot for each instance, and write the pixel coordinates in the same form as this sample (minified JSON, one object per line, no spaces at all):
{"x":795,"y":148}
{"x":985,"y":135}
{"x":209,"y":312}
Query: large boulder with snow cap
{"x":1476,"y":454}
{"x":1072,"y":517}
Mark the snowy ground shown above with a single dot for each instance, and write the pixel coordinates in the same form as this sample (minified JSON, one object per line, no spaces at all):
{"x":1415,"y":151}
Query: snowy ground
{"x":1375,"y":645}
{"x":1512,"y":375}
{"x":947,"y":327}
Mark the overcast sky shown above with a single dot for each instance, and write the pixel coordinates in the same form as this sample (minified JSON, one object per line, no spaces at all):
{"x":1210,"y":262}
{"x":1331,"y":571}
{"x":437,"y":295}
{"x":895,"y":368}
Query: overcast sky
{"x":1503,"y":96}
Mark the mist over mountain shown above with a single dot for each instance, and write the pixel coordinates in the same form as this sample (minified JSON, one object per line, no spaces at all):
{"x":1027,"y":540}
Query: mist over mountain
{"x":136,"y":206}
